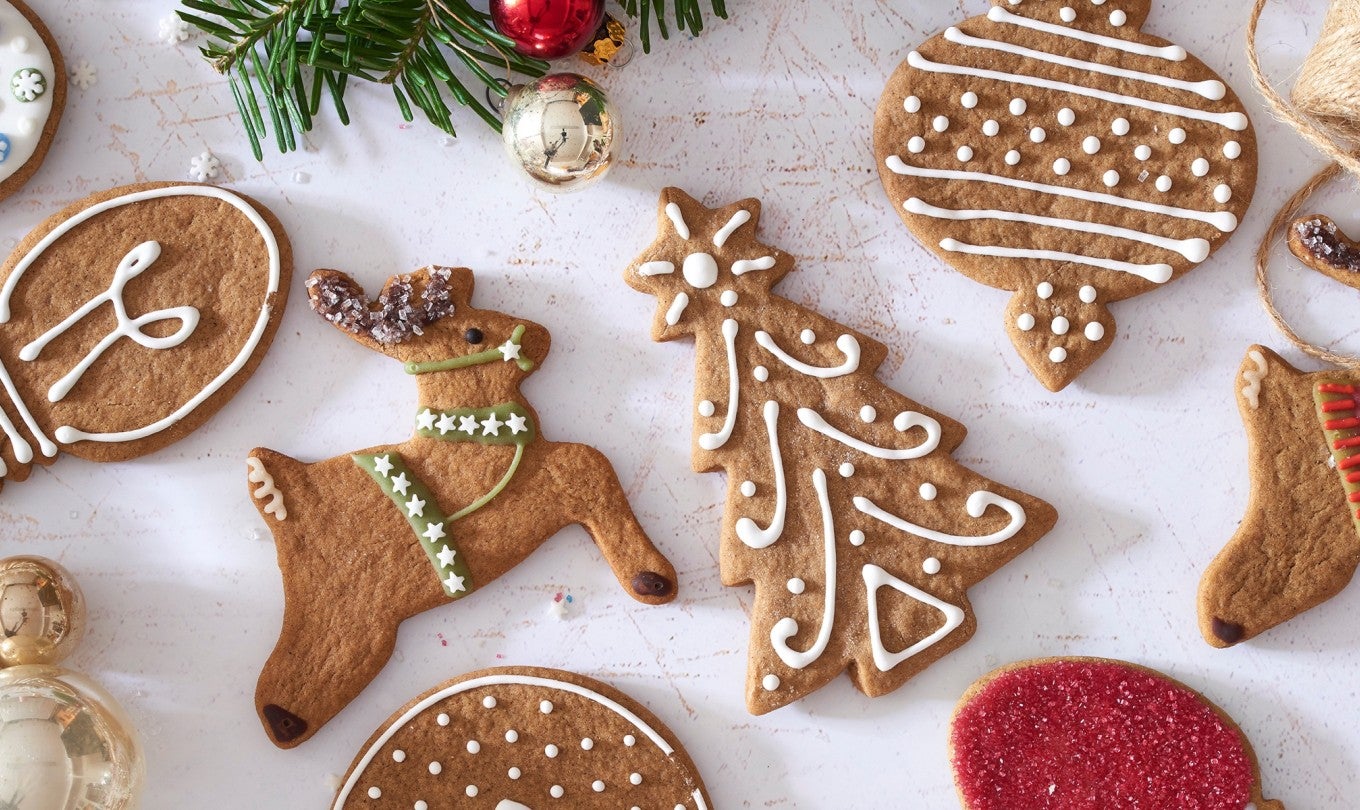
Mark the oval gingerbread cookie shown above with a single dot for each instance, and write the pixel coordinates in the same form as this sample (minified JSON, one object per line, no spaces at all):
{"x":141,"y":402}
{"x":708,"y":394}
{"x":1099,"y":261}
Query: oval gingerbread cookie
{"x":1094,"y":734}
{"x":1051,"y":148}
{"x":513,"y":738}
{"x":130,"y":317}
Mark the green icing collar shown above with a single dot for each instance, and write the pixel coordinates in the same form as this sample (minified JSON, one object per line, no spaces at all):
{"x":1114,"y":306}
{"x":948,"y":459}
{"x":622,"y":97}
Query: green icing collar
{"x":507,"y":351}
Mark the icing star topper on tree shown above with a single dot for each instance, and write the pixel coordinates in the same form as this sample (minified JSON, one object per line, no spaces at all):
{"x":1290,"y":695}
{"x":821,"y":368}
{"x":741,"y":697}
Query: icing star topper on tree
{"x":860,"y":532}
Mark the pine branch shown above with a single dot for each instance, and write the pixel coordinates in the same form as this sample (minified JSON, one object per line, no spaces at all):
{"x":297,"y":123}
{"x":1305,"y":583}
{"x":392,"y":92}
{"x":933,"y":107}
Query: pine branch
{"x":280,"y":55}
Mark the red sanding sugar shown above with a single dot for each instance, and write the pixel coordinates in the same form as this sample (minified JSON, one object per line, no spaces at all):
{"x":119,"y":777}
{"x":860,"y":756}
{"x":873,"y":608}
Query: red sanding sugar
{"x":1083,"y":735}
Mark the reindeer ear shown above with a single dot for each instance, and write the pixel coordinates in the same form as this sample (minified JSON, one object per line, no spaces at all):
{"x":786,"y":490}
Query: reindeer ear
{"x":456,"y":286}
{"x":339,"y":299}
{"x":407,"y":304}
{"x":1317,"y":242}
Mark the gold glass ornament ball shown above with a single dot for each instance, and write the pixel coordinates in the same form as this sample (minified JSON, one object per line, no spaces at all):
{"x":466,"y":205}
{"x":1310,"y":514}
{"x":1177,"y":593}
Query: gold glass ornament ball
{"x":561,"y":130}
{"x":42,"y":612}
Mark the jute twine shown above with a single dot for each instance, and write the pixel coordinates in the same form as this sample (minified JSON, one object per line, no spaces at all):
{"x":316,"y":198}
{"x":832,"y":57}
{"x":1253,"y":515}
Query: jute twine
{"x":1326,"y":110}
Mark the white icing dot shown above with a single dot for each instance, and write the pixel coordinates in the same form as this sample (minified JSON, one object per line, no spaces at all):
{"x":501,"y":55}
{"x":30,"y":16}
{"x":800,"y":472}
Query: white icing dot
{"x":1037,"y":134}
{"x":1018,"y":106}
{"x":968,"y":100}
{"x":19,"y":44}
{"x":857,"y":538}
{"x":1067,"y":14}
{"x":597,"y":786}
{"x":489,"y":702}
{"x":770,"y":682}
{"x":965,"y":153}
{"x":421,"y":805}
{"x":436,"y":768}
{"x":398,"y":755}
{"x":1118,"y":18}
{"x":1120,"y":126}
{"x":808,"y":337}
{"x":1200,"y":167}
{"x":868,"y":413}
{"x":587,"y":743}
{"x":556,"y":791}
{"x":514,"y":773}
{"x":1176,"y":136}
{"x":1058,"y":354}
{"x":546,"y":707}
{"x":375,"y":792}
{"x":1066,"y":117}
{"x":796,"y":586}
{"x":912,"y":104}
{"x":1222,"y":193}
{"x":748,"y":488}
{"x":1094,"y":331}
{"x":1012,"y":158}
{"x":1025,"y":322}
{"x":728,"y":298}
{"x":629,"y":740}
{"x":706,"y":408}
{"x":1142,"y":151}
{"x":930,"y":565}
{"x":1163,"y":183}
{"x":635,"y":778}
{"x":760,"y":373}
{"x":916,"y":145}
{"x":512,"y":736}
{"x":27,"y":125}
{"x":1044,"y":290}
{"x":940,"y":123}
{"x":1087,"y":294}
{"x":1090,"y":144}
{"x":847,"y":469}
{"x":1097,"y":2}
{"x":550,"y":751}
{"x":471,"y":791}
{"x":1232,"y":150}
{"x":442,"y":719}
{"x":1062,"y":166}
{"x":1110,"y":178}
{"x":1060,"y":325}
{"x":474,"y":747}
{"x":990,"y":128}
{"x":927,"y":491}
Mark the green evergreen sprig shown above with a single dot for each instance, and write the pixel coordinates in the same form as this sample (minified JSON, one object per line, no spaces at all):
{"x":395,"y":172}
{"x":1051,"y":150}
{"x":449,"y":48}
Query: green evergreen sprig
{"x":283,"y":57}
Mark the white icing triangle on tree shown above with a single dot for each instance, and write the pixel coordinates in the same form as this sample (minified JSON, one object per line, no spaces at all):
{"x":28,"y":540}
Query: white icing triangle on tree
{"x":876,"y":577}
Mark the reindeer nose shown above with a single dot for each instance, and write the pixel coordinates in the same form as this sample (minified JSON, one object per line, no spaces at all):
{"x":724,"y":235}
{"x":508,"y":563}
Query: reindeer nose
{"x":649,"y":583}
{"x":1227,"y":632}
{"x":284,"y":726}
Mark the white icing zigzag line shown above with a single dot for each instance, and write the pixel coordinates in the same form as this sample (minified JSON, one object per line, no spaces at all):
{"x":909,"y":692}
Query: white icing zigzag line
{"x":846,"y":343}
{"x":738,"y":219}
{"x":904,"y":421}
{"x":1234,"y":121}
{"x":1210,"y":89}
{"x":678,"y":220}
{"x":1196,"y":250}
{"x":1223,"y":221}
{"x":1251,"y":392}
{"x":1159,"y":273}
{"x":875,"y":578}
{"x":712,"y":441}
{"x":259,"y":475}
{"x":976,"y":505}
{"x":786,"y":628}
{"x":747,"y":530}
{"x":1171,"y":53}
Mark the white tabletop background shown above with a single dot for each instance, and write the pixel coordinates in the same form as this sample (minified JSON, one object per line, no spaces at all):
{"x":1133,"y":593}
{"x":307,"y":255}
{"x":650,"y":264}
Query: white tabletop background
{"x":1143,"y":456}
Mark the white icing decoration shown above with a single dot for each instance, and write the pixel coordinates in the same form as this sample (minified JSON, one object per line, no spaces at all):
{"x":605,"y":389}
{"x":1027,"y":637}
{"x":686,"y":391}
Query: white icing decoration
{"x":1061,"y":167}
{"x":442,"y":719}
{"x":375,"y":792}
{"x":700,"y":270}
{"x":1222,"y":193}
{"x":796,"y":586}
{"x":760,"y":373}
{"x":551,"y":751}
{"x":1251,"y":392}
{"x":940,"y":123}
{"x":1171,"y":53}
{"x":1090,"y":144}
{"x":968,"y":100}
{"x":556,"y":791}
{"x":597,"y":786}
{"x":1044,"y":290}
{"x":846,"y":343}
{"x":587,"y":743}
{"x":1196,"y":250}
{"x":868,"y":413}
{"x":1067,"y":14}
{"x":728,"y":298}
{"x":545,"y":707}
{"x":1110,"y":178}
{"x":786,"y":628}
{"x":1025,"y":322}
{"x":1087,"y":294}
{"x":875,"y":578}
{"x":259,"y":475}
{"x":1012,"y":157}
{"x":67,"y":434}
{"x":1066,"y":117}
{"x":1120,"y":126}
{"x":976,"y":506}
{"x":744,"y":266}
{"x":911,"y":104}
{"x":23,"y":122}
{"x":1037,"y":135}
{"x":1018,"y":106}
{"x":1232,"y":150}
{"x":712,"y":441}
{"x":1057,"y":354}
{"x":677,"y":220}
{"x":1142,"y":151}
{"x":1157,"y":273}
{"x":436,"y":768}
{"x":846,"y":469}
{"x":474,"y":747}
{"x":1224,"y":221}
{"x":1200,"y":167}
{"x":635,"y":778}
{"x":706,"y":408}
{"x":903,"y":421}
{"x":511,"y":736}
{"x":1094,"y":331}
{"x":1118,"y":18}
{"x":398,"y":755}
{"x":916,"y":145}
{"x":738,"y":219}
{"x":965,"y":153}
{"x":1212,"y":89}
{"x":1176,"y":136}
{"x":747,"y":530}
{"x":927,"y":491}
{"x":770,"y":682}
{"x":856,"y":538}
{"x":656,"y":268}
{"x":1163,"y":184}
{"x":990,"y":128}
{"x":677,"y":308}
{"x":808,"y":337}
{"x":748,"y":488}
{"x":930,"y":565}
{"x":1060,"y":325}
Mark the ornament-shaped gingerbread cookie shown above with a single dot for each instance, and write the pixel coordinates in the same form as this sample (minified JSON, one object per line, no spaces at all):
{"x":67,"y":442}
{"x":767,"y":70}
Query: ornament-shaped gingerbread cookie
{"x":845,"y":506}
{"x":1052,"y":149}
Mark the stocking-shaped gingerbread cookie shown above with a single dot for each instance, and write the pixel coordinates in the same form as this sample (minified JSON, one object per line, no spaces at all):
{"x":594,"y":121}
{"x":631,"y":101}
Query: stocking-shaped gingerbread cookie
{"x":1052,"y":149}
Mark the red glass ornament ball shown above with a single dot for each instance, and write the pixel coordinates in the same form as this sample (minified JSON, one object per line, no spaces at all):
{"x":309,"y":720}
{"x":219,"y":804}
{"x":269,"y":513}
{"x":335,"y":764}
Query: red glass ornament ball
{"x":548,"y":29}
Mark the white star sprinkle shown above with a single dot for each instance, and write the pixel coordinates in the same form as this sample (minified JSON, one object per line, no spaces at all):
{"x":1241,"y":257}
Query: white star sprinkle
{"x":509,"y":350}
{"x":425,"y":421}
{"x":516,"y":421}
{"x":434,"y":531}
{"x":446,"y":556}
{"x":454,"y":583}
{"x":383,"y":464}
{"x":491,"y":426}
{"x":415,"y":507}
{"x":445,"y":423}
{"x":400,"y":483}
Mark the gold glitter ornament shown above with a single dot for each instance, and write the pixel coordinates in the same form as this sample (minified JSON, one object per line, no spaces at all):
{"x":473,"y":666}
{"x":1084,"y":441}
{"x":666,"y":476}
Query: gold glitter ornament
{"x":42,"y":612}
{"x":610,"y":46}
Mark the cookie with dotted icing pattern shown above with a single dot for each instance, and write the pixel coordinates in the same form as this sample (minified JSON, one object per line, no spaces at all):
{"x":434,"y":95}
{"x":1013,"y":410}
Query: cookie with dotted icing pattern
{"x":33,"y":95}
{"x":510,"y":738}
{"x":1093,"y":734}
{"x":1053,"y":149}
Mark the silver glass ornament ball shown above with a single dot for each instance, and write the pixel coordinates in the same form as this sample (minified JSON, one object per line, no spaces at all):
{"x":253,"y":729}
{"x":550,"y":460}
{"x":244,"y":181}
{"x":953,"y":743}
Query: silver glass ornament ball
{"x":561,"y":130}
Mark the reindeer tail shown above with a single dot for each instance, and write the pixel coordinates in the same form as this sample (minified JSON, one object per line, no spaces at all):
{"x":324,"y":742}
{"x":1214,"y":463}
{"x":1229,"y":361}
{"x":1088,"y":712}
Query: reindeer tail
{"x":262,"y":466}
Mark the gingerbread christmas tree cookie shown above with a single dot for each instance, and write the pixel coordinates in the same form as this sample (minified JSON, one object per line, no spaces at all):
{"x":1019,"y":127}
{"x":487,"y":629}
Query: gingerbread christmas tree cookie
{"x":845,"y":506}
{"x":1053,"y":149}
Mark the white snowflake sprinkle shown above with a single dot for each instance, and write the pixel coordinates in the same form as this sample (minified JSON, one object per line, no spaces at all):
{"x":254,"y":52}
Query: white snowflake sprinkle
{"x":83,"y":75}
{"x":173,"y":30}
{"x":204,"y":166}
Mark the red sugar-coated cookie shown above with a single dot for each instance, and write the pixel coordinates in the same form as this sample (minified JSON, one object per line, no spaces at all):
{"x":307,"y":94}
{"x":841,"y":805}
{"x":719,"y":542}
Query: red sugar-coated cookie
{"x":1093,"y":734}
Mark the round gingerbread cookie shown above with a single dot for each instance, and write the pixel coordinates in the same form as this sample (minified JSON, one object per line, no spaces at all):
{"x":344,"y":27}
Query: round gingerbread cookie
{"x":1051,"y":148}
{"x":511,"y":738}
{"x":33,"y":95}
{"x":1093,"y":734}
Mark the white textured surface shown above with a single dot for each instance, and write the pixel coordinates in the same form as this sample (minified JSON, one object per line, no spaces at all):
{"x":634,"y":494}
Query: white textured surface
{"x":1143,"y":456}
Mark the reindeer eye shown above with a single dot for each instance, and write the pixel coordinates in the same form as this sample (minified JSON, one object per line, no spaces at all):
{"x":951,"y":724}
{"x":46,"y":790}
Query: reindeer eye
{"x":473,"y":336}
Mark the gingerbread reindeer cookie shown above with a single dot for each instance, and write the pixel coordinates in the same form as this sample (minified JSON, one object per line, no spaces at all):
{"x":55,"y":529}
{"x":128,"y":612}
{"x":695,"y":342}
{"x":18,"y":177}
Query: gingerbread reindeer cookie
{"x":1052,"y":149}
{"x":845,"y":506}
{"x":367,"y":539}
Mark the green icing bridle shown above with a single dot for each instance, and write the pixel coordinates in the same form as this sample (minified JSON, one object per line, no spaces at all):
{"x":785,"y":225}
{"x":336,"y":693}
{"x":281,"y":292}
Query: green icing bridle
{"x":507,"y":351}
